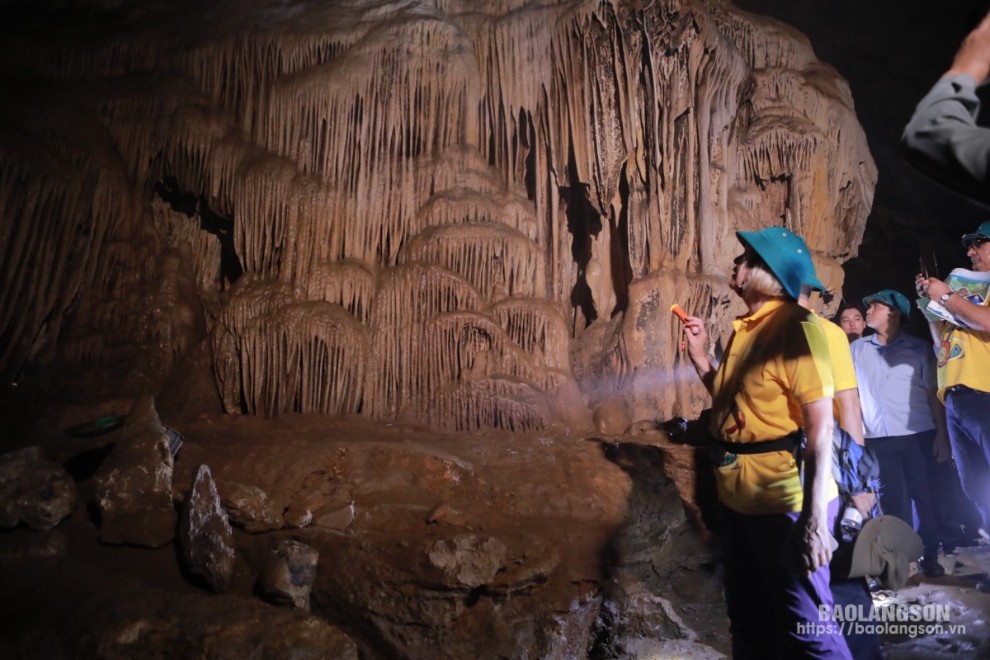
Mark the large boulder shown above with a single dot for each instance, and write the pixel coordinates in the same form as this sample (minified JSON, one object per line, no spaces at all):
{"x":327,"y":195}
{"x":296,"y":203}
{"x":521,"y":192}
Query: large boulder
{"x":34,"y":490}
{"x":249,"y":507}
{"x":288,"y":574}
{"x":133,"y":487}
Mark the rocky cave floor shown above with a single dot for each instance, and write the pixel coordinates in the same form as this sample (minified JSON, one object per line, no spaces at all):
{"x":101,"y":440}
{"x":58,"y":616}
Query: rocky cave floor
{"x":573,"y":512}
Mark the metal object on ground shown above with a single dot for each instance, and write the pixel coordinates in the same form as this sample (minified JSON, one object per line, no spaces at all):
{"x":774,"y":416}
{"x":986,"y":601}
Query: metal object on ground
{"x":174,"y":439}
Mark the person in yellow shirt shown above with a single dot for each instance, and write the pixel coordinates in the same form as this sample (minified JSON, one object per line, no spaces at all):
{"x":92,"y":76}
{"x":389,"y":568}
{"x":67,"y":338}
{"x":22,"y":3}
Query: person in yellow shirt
{"x":847,"y":410}
{"x":776,"y":379}
{"x":863,"y":644}
{"x":963,"y":354}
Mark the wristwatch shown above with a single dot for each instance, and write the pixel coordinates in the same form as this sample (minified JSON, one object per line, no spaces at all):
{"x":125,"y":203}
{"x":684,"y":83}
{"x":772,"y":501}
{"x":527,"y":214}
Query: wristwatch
{"x":945,"y":296}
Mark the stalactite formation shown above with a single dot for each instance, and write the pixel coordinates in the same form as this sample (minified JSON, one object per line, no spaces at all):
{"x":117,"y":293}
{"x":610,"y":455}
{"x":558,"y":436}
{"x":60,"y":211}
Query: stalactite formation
{"x":456,"y":212}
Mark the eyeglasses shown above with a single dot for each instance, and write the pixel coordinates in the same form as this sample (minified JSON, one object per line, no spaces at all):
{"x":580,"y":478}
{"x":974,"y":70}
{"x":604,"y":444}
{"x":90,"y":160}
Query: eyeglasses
{"x":977,"y":242}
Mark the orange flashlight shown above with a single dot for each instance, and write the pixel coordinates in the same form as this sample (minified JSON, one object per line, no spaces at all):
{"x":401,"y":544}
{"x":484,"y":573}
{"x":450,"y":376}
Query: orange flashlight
{"x":679,"y":312}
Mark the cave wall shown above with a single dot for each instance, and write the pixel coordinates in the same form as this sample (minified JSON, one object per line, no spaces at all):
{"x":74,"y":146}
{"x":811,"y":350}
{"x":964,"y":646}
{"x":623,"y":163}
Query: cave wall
{"x":462,"y":214}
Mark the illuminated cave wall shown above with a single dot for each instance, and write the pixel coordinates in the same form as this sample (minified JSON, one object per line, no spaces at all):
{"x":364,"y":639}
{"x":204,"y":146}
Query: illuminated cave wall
{"x":463,"y":213}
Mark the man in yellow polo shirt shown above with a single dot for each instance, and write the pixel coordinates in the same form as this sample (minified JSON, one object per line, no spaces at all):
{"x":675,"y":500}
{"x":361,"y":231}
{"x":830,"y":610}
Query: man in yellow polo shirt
{"x":775,"y":379}
{"x":964,"y":373}
{"x":863,"y":644}
{"x":847,"y":409}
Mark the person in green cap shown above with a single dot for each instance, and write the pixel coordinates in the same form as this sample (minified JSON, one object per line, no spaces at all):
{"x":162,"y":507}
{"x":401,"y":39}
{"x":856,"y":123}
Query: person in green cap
{"x":775,"y":380}
{"x":901,"y":415}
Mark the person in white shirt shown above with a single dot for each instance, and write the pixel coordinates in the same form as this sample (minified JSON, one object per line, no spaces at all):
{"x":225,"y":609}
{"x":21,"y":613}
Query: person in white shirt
{"x":897,"y":389}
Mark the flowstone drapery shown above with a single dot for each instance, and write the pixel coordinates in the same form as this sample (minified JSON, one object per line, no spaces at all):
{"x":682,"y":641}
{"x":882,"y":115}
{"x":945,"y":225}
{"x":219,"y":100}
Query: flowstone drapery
{"x":462,"y":213}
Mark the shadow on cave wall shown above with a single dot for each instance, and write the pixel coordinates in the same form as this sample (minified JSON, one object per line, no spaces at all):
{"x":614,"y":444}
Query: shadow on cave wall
{"x":583,"y":223}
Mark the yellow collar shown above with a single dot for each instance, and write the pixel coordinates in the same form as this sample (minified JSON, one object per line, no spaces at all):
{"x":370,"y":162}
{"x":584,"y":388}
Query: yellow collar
{"x":754,"y":319}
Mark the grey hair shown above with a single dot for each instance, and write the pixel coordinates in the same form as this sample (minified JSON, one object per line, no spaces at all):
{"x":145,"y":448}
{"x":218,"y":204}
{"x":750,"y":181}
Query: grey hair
{"x":761,"y":280}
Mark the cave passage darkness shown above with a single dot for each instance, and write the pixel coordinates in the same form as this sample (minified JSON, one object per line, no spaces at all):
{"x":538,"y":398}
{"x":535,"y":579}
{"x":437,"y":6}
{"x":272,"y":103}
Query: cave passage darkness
{"x":891,"y":53}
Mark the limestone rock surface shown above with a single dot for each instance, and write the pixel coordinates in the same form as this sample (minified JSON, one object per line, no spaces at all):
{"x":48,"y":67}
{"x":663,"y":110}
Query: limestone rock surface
{"x":100,"y":615}
{"x":34,"y":491}
{"x":288,"y":575}
{"x":133,"y":486}
{"x":249,"y":507}
{"x":467,"y":544}
{"x":458,"y":213}
{"x":205,"y":535}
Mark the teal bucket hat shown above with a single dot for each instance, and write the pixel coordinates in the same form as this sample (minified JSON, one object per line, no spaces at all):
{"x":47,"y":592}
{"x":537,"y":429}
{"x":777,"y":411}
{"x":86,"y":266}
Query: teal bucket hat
{"x":983,"y":231}
{"x":890,"y":298}
{"x":787,"y":256}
